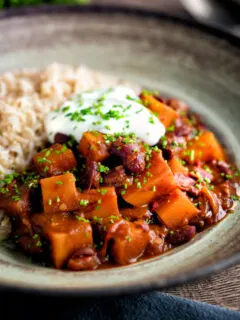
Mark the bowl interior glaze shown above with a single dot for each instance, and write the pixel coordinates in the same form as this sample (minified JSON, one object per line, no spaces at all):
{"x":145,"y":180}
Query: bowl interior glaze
{"x":156,"y":52}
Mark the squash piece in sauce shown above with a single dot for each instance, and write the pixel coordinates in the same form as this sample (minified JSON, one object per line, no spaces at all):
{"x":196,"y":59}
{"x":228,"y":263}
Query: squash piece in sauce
{"x":130,"y":240}
{"x":136,"y":213}
{"x":54,"y":160}
{"x":155,"y":181}
{"x":176,"y":209}
{"x":59,"y":193}
{"x":66,"y":234}
{"x":176,"y":166}
{"x":165,"y":114}
{"x":204,"y":147}
{"x":93,"y":147}
{"x":100,"y":203}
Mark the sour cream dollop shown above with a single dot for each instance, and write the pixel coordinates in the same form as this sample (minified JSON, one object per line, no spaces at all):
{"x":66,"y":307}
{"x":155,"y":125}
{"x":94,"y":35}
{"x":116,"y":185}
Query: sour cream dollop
{"x":110,"y":111}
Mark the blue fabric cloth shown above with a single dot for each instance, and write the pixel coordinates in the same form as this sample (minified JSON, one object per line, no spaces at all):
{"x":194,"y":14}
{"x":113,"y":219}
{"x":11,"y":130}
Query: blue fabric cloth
{"x":153,"y":306}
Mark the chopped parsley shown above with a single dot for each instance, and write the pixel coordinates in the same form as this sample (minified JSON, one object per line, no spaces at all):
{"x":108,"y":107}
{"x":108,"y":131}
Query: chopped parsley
{"x":151,"y":120}
{"x":171,"y":128}
{"x":112,"y":218}
{"x":139,"y":186}
{"x":81,"y":219}
{"x":128,"y":238}
{"x":97,"y":219}
{"x":103,"y":191}
{"x":133,"y":99}
{"x":83,"y":202}
{"x":65,"y":108}
{"x":102,"y":168}
{"x":16,"y":198}
{"x":39,"y":244}
{"x":164,"y":142}
{"x":192,"y":155}
{"x":42,"y":160}
{"x":112,"y":114}
{"x":207,"y":180}
{"x":148,"y":165}
{"x":197,"y":204}
{"x":48,"y":152}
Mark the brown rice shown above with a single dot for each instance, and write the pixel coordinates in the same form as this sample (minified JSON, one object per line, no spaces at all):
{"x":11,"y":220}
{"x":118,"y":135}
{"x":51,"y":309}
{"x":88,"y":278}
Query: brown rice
{"x":26,"y":96}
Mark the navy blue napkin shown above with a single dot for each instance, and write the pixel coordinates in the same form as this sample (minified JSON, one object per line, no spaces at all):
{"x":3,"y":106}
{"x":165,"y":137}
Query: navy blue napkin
{"x":153,"y":306}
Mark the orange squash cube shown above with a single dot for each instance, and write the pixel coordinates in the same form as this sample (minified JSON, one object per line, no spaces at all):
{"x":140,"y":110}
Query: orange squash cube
{"x":63,"y":244}
{"x":176,"y":166}
{"x":65,"y":233}
{"x":204,"y":148}
{"x":130,"y":240}
{"x":176,"y":209}
{"x":155,"y":181}
{"x":99,"y":204}
{"x":54,"y":160}
{"x":165,"y":114}
{"x":93,"y":147}
{"x":59,"y":193}
{"x":135,"y":213}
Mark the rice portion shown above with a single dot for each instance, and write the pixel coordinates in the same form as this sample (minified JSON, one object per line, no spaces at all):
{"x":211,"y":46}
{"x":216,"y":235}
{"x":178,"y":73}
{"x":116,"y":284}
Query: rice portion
{"x":26,"y":96}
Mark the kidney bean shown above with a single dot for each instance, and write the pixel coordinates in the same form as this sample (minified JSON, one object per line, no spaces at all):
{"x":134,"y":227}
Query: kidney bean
{"x":61,"y":138}
{"x":132,"y":155}
{"x":182,"y":235}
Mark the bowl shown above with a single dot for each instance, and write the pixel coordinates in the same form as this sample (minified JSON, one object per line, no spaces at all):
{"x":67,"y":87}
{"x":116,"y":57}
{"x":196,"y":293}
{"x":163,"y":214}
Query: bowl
{"x":181,"y":59}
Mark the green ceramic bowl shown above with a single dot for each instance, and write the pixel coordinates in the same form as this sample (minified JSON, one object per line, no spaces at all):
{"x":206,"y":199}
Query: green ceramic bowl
{"x":198,"y":65}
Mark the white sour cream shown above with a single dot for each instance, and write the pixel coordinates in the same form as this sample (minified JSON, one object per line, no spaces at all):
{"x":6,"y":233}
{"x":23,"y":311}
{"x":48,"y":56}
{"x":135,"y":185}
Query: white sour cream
{"x":114,"y":110}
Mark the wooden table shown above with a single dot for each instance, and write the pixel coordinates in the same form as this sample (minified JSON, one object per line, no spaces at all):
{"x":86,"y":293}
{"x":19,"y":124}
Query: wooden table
{"x":223,"y":288}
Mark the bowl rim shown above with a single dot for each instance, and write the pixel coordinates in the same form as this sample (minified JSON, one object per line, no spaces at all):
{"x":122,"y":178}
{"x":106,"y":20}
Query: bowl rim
{"x":140,"y":286}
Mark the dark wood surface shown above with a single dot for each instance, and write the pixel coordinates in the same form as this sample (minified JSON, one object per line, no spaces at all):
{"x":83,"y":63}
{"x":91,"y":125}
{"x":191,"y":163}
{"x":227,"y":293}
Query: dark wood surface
{"x":223,"y":288}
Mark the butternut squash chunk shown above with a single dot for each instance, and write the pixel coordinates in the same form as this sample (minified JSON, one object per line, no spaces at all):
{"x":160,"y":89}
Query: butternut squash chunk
{"x":93,"y":147}
{"x":54,"y":160}
{"x":59,"y":193}
{"x":176,"y":209}
{"x":135,"y":213}
{"x":99,"y":204}
{"x":204,"y":148}
{"x":176,"y":166}
{"x":130,"y":240}
{"x":165,"y":114}
{"x":65,"y":233}
{"x":155,"y":181}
